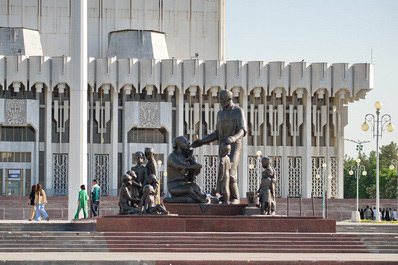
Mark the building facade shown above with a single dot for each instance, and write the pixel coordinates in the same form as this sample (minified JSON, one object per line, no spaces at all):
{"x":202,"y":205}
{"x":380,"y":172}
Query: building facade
{"x":296,"y":112}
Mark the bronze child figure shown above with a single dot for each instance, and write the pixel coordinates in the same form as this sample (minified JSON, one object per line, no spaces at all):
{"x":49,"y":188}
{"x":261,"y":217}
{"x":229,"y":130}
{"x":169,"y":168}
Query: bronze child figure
{"x":125,"y":197}
{"x":267,"y":188}
{"x":139,"y":168}
{"x":151,"y":167}
{"x":224,"y":168}
{"x":147,"y":205}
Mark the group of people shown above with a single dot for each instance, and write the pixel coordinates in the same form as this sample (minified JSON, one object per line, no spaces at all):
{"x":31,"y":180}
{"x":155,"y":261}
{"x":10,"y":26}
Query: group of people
{"x":37,"y":199}
{"x":83,"y":200}
{"x":386,"y":214}
{"x":140,"y":187}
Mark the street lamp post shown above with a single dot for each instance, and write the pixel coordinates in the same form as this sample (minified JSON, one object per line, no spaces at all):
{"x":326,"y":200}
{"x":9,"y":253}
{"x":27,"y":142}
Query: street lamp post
{"x":322,"y":174}
{"x":394,"y":165}
{"x":355,"y":216}
{"x":378,"y":124}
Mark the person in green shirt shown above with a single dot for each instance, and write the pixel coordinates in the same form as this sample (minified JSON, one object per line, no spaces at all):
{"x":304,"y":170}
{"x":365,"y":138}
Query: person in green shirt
{"x":82,"y":202}
{"x":95,"y":198}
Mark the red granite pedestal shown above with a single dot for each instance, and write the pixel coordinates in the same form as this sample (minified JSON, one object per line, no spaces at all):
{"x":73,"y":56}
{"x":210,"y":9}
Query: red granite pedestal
{"x":206,"y":223}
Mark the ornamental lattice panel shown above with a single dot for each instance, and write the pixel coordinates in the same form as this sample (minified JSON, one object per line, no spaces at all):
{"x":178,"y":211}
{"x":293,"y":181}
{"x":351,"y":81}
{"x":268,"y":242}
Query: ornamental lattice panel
{"x":60,"y":170}
{"x":295,"y":169}
{"x":277,"y":163}
{"x":102,"y":172}
{"x":334,"y":182}
{"x":210,"y":173}
{"x":317,"y":184}
{"x":253,"y":179}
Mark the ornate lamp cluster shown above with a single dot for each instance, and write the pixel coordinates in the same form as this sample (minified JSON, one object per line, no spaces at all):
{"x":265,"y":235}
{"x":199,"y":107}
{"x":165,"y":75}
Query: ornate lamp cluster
{"x":378,"y":124}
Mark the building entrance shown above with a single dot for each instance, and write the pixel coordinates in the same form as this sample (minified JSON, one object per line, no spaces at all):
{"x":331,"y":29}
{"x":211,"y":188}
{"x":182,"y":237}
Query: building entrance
{"x":14,"y":182}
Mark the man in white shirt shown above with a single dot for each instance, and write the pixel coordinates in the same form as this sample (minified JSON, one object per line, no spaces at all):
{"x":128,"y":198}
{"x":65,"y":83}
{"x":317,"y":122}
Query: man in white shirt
{"x":374,"y":213}
{"x":394,"y":215}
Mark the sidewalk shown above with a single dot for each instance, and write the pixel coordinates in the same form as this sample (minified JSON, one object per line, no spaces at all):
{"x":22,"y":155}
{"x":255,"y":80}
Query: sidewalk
{"x":151,"y":257}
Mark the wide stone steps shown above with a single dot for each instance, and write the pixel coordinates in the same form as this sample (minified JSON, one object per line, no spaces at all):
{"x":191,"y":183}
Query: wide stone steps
{"x":60,"y":226}
{"x":367,"y":228}
{"x":180,"y":242}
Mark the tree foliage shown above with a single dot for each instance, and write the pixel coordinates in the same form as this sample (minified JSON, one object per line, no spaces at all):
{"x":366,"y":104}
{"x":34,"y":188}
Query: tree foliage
{"x":367,"y":184}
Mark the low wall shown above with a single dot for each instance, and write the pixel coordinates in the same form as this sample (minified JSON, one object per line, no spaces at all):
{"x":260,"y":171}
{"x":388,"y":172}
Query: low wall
{"x":17,"y":208}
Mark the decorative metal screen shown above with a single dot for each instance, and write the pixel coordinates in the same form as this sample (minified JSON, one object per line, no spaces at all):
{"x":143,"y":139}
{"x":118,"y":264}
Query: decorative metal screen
{"x":317,"y":183}
{"x":277,"y":164}
{"x":102,"y":172}
{"x":294,"y":165}
{"x":334,"y":182}
{"x":60,"y":170}
{"x":253,"y":174}
{"x":210,"y":177}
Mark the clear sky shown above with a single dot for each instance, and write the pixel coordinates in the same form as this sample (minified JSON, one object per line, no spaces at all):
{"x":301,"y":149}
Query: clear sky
{"x":333,"y":31}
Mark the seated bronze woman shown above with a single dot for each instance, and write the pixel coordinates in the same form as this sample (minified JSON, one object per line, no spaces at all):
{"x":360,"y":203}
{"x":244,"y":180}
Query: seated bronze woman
{"x":182,"y":170}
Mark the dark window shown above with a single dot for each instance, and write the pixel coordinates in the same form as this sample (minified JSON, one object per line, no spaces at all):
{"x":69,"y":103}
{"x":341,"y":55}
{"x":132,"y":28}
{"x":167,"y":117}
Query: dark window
{"x":1,"y":182}
{"x":120,"y":126}
{"x":17,"y":134}
{"x":42,"y":122}
{"x":143,"y":135}
{"x":28,"y":181}
{"x":41,"y":168}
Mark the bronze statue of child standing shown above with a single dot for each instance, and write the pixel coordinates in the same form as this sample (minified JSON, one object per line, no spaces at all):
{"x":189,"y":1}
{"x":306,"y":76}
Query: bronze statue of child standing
{"x":267,"y":188}
{"x":151,"y":166}
{"x":224,"y":168}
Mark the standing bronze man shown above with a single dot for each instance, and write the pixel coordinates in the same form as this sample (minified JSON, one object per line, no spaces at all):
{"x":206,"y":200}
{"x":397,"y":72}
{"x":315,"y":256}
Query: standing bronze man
{"x":231,"y":128}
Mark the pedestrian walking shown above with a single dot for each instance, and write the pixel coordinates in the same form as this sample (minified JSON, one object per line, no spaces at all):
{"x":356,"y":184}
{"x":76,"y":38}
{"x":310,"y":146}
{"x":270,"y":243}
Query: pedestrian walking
{"x":40,"y":201}
{"x":95,"y":198}
{"x":82,"y":202}
{"x":387,"y":215}
{"x":362,"y":214}
{"x":368,"y":213}
{"x":394,"y":215}
{"x":31,"y":202}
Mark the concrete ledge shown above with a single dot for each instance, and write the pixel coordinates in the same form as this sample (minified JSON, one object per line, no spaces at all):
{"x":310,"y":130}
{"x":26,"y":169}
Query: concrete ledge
{"x":194,"y":223}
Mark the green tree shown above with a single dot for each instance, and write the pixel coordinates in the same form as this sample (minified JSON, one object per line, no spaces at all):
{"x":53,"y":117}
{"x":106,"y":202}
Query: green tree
{"x":367,"y":184}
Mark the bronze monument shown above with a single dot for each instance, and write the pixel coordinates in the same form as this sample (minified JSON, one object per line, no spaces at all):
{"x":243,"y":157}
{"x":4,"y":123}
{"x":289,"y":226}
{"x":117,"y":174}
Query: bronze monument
{"x":267,"y":188}
{"x":230,"y":129}
{"x":139,"y":168}
{"x":182,"y":170}
{"x":125,"y":198}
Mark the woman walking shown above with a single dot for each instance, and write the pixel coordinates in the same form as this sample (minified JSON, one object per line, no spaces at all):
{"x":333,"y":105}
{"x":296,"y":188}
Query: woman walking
{"x":40,"y":201}
{"x":82,"y":202}
{"x":31,"y":202}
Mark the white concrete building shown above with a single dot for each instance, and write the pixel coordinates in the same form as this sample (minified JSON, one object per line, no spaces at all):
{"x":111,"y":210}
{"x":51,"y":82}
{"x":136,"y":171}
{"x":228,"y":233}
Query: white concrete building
{"x":296,"y":112}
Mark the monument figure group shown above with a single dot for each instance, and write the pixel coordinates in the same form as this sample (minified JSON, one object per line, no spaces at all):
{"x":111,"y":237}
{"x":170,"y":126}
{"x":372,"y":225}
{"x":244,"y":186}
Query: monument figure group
{"x":140,"y":184}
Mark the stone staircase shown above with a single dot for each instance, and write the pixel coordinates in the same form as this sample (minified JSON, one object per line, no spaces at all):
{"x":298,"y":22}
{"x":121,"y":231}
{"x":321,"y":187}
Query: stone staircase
{"x":180,"y":242}
{"x":44,"y":226}
{"x":379,"y":238}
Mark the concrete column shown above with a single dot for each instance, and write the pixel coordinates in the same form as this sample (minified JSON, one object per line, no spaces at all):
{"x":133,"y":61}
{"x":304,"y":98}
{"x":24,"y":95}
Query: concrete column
{"x":114,"y":143}
{"x":48,"y":164}
{"x":306,"y":172}
{"x":77,"y":172}
{"x":243,"y":166}
{"x":125,"y":163}
{"x":180,"y":111}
